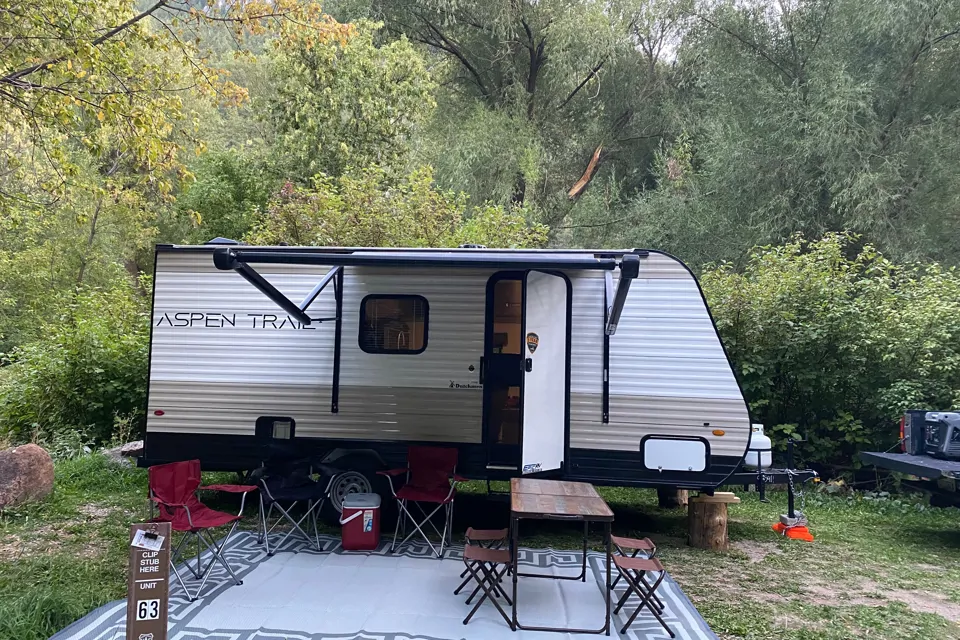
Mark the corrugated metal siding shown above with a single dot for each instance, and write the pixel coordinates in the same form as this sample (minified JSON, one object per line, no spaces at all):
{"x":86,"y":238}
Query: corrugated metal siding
{"x":668,"y":372}
{"x":232,"y":374}
{"x":375,"y":413}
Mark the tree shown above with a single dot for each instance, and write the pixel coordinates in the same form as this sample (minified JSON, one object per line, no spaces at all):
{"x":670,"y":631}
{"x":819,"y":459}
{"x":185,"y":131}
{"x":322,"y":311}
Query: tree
{"x":373,"y":208}
{"x":542,"y":97}
{"x":814,"y":116}
{"x":832,"y":341}
{"x":346,"y":102}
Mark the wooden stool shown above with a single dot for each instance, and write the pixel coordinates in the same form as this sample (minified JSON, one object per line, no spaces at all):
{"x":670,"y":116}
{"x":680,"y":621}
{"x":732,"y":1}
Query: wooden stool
{"x":637,"y":544}
{"x":482,"y":565}
{"x":707,"y":520}
{"x":489,"y":538}
{"x":633,"y":571}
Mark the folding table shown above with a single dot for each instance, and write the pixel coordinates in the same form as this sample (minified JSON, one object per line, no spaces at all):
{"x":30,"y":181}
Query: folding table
{"x":535,"y":499}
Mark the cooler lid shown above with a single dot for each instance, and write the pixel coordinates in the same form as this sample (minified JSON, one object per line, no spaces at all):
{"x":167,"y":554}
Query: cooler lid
{"x":362,"y":501}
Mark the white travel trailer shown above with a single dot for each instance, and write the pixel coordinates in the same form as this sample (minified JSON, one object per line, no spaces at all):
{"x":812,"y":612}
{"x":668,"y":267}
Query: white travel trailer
{"x":602,"y":366}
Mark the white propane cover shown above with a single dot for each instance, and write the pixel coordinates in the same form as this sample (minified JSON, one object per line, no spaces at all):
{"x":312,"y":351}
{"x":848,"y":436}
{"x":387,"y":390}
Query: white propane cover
{"x":759,"y":450}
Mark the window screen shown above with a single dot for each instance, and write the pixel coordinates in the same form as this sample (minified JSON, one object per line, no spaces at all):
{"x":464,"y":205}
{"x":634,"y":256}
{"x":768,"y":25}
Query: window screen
{"x":393,"y":324}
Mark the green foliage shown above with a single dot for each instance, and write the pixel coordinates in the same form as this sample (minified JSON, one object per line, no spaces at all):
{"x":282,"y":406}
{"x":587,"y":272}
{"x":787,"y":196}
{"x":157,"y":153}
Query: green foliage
{"x":346,"y":101}
{"x":833,"y":341}
{"x":813,"y":116}
{"x":228,"y":192}
{"x":374,"y":208}
{"x":87,"y":371}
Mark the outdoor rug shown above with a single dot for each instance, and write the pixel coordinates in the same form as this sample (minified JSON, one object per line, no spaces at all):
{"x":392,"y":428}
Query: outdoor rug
{"x":303,"y":594}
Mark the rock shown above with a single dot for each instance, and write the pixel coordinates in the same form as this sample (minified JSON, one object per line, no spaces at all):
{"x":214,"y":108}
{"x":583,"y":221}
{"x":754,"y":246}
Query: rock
{"x":132,"y":449}
{"x":26,"y":473}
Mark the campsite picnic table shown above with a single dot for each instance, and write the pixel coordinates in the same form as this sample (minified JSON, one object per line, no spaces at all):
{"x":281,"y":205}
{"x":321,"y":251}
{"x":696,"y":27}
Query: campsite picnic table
{"x":537,"y":499}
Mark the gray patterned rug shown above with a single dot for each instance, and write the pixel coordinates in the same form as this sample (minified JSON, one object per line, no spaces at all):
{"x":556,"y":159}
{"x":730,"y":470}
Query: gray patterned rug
{"x":340,"y":595}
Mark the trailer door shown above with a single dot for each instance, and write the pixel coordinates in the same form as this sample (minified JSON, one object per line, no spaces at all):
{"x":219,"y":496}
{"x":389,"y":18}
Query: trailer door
{"x":545,"y":354}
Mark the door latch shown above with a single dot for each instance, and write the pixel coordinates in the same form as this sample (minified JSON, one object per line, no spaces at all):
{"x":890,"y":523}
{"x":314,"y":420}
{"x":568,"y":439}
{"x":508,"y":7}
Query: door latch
{"x":528,"y":365}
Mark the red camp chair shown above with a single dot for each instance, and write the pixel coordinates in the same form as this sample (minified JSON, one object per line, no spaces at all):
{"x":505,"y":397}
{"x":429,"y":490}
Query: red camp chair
{"x":173,"y":489}
{"x":431,"y":479}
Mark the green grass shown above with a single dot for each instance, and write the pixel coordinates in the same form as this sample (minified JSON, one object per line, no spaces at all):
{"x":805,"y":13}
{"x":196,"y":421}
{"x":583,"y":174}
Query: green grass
{"x":878,"y":569}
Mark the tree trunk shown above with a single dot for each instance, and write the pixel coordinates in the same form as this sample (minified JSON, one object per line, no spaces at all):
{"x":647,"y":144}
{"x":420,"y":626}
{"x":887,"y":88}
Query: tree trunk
{"x":708,"y":525}
{"x":672,"y":498}
{"x":707,"y":520}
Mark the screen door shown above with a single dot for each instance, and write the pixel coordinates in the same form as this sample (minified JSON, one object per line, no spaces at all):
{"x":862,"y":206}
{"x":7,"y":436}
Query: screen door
{"x":545,"y":372}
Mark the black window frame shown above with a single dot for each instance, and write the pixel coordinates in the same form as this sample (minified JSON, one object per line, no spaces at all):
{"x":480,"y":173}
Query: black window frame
{"x":394,"y":296}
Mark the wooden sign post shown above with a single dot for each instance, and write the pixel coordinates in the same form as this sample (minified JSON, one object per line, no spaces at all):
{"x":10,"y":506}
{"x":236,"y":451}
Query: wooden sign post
{"x":148,"y":581}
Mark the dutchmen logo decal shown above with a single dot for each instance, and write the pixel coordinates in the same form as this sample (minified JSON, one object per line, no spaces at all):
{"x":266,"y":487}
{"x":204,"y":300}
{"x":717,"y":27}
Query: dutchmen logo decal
{"x":533,"y":341}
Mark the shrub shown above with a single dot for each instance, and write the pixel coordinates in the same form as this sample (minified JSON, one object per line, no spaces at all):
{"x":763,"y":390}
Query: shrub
{"x":88,"y":371}
{"x":833,"y":341}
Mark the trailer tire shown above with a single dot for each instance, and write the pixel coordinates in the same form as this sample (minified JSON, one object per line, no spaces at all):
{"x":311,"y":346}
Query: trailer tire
{"x":359,"y":476}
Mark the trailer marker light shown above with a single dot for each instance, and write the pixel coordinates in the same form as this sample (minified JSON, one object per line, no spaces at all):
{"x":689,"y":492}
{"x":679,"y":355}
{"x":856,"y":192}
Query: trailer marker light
{"x":719,"y":432}
{"x":158,"y":412}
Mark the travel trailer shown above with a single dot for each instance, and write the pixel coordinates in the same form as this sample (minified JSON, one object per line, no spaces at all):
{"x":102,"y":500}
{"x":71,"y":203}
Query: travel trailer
{"x":600,"y":366}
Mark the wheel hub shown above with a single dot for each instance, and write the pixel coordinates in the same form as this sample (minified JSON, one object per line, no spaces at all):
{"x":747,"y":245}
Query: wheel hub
{"x":346,"y":483}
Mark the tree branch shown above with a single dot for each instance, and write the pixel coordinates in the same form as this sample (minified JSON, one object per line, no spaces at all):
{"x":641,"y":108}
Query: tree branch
{"x":583,"y":82}
{"x":12,"y":78}
{"x":752,"y":45}
{"x":453,"y":49}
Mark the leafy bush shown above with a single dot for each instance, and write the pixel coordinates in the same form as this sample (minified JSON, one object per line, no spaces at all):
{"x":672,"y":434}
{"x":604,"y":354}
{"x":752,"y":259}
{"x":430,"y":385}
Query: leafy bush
{"x":374,"y":207}
{"x":833,"y":341}
{"x":88,"y":372}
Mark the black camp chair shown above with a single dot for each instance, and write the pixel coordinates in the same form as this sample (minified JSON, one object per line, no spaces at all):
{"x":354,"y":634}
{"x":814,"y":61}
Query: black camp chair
{"x":283,"y":486}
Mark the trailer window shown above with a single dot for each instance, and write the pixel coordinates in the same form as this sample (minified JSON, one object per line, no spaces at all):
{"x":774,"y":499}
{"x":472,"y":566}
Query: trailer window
{"x":393,"y":324}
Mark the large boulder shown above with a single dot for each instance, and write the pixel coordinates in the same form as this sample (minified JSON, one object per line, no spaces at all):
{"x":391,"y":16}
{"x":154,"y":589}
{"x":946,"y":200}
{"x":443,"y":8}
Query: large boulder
{"x":26,"y":473}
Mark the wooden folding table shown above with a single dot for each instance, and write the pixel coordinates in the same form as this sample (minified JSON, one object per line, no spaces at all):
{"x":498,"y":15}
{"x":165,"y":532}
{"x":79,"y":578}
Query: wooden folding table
{"x":536,"y":499}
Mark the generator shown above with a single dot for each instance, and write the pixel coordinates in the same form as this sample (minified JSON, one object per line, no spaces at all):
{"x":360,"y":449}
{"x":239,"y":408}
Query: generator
{"x":941,"y":435}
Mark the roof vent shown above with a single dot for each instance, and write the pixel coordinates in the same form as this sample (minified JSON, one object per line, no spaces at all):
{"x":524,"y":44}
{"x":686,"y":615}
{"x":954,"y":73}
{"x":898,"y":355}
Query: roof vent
{"x":473,"y":246}
{"x":219,"y":240}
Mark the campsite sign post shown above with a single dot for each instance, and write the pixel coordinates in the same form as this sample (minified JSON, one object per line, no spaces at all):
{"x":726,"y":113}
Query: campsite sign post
{"x":148,"y":581}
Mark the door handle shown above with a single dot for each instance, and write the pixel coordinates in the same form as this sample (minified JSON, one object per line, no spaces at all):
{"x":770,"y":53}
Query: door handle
{"x":481,"y":370}
{"x":528,"y":365}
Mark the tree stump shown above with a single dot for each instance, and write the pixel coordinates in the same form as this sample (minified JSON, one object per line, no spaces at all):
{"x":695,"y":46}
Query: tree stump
{"x":672,"y":498}
{"x":707,"y":519}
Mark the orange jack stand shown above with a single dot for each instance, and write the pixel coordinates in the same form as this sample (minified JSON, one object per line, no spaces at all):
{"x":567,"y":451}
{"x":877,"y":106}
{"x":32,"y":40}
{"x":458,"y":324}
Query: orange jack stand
{"x":796,"y":533}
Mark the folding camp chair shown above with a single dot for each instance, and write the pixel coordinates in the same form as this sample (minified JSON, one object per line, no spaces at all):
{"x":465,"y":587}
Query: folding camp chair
{"x":633,"y":571}
{"x":173,"y":490}
{"x":431,"y":479}
{"x":283,"y":487}
{"x":482,"y":563}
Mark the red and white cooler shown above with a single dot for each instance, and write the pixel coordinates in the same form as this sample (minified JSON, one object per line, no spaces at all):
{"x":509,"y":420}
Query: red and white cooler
{"x":361,"y":522}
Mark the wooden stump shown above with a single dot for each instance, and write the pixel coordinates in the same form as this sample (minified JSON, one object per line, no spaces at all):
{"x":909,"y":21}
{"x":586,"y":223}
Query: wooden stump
{"x":672,"y":498}
{"x":707,"y":519}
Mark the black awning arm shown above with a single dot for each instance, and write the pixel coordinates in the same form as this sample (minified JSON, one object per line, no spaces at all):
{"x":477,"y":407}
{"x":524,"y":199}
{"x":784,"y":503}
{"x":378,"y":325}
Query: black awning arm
{"x":613,"y":302}
{"x":226,"y":260}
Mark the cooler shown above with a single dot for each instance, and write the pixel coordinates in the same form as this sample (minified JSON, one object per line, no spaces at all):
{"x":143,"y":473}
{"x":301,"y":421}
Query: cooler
{"x":361,"y":522}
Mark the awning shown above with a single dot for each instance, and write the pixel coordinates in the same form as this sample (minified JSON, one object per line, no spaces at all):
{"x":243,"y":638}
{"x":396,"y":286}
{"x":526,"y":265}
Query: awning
{"x":228,"y":259}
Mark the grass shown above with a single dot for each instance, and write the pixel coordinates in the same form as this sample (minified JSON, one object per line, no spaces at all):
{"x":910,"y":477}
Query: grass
{"x":881,"y":569}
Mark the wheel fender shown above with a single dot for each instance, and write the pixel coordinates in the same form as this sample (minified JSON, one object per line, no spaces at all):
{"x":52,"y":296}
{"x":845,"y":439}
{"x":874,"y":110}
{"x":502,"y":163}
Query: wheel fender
{"x":361,"y":458}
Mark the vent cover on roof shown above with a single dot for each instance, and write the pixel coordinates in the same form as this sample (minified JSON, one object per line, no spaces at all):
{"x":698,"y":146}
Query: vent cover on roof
{"x":219,"y":240}
{"x":473,"y":246}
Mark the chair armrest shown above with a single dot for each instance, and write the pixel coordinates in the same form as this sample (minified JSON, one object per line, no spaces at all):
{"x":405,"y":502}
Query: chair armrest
{"x":166,"y":504}
{"x":230,"y":488}
{"x":392,"y":472}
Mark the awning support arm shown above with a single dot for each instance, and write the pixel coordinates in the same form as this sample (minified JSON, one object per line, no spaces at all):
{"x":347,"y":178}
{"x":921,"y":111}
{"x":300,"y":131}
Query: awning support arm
{"x":320,"y":287}
{"x":613,"y":301}
{"x":226,"y":260}
{"x":629,"y":269}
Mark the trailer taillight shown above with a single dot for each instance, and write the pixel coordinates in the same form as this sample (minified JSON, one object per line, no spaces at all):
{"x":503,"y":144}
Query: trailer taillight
{"x":159,"y":412}
{"x":903,"y":434}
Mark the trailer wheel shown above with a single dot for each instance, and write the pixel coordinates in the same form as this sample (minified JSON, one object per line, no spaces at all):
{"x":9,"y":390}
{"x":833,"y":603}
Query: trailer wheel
{"x":346,"y":483}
